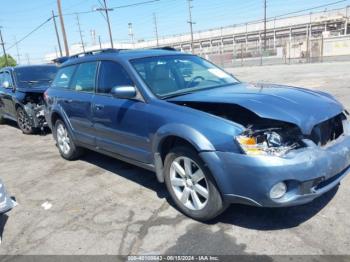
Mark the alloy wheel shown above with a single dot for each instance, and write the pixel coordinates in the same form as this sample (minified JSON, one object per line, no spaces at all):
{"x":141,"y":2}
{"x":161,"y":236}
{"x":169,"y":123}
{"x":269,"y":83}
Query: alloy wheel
{"x":63,"y":140}
{"x":189,"y":183}
{"x":23,"y":121}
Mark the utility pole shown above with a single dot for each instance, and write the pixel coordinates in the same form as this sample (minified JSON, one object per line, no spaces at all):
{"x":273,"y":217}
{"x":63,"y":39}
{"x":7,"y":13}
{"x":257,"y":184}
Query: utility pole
{"x":99,"y":41}
{"x":106,"y":10}
{"x":62,"y":27}
{"x":18,"y":55}
{"x":191,"y":23}
{"x":131,"y":32}
{"x":265,"y":17}
{"x":156,"y":28}
{"x":3,"y":47}
{"x":28,"y":59}
{"x":80,"y":33}
{"x":57,"y":35}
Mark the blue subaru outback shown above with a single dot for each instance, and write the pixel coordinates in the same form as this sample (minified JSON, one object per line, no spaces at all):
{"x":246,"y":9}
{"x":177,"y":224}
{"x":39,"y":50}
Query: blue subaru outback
{"x":212,"y":139}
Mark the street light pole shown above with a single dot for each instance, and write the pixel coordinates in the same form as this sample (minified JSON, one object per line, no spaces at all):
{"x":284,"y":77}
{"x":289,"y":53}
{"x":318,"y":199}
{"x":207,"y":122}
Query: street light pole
{"x":106,"y":10}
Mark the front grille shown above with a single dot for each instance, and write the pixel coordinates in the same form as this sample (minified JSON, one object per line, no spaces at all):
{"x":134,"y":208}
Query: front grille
{"x":328,"y":130}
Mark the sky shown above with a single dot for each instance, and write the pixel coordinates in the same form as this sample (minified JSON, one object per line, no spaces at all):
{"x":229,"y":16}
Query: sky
{"x":20,"y":17}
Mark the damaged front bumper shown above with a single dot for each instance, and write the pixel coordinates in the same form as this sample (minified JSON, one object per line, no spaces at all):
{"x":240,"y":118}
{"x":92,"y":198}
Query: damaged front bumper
{"x":307,"y":172}
{"x":36,"y":115}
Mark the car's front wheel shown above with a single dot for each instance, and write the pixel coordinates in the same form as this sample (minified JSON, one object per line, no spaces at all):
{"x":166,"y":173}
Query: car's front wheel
{"x":65,"y":143}
{"x":191,"y":184}
{"x":24,"y":122}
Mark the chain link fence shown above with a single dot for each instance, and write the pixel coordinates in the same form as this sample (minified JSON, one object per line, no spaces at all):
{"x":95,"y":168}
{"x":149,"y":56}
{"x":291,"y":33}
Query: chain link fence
{"x":297,"y":50}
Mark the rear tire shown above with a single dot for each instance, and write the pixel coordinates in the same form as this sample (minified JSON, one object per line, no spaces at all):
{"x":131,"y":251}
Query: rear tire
{"x":24,"y":122}
{"x":65,"y":143}
{"x":191,"y":185}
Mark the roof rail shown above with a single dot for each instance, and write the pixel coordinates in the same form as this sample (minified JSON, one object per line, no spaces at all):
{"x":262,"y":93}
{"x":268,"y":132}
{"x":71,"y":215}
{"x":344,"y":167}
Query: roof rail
{"x":97,"y":51}
{"x":168,"y":48}
{"x":62,"y":59}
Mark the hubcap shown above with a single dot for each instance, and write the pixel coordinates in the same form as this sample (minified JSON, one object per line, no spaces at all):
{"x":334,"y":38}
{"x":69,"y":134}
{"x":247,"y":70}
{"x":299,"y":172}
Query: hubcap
{"x":63,"y":139}
{"x":189,"y":183}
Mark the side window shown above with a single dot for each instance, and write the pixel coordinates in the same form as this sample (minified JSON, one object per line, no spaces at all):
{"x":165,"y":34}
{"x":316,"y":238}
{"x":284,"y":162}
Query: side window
{"x":63,"y":77}
{"x":111,"y":75}
{"x":84,"y":77}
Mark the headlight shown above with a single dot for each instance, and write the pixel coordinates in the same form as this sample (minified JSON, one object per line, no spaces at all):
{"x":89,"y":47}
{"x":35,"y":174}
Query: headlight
{"x":265,"y":143}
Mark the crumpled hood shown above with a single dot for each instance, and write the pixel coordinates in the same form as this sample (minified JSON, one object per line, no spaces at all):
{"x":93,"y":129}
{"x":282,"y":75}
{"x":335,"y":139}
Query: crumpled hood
{"x":299,"y":106}
{"x":40,"y":89}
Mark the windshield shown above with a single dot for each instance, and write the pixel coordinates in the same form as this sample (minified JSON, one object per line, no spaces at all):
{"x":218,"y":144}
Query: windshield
{"x":34,"y":75}
{"x":169,"y":76}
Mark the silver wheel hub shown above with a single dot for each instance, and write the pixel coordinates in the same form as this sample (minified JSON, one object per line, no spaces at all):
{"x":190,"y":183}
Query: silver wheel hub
{"x":63,"y":140}
{"x":189,"y":183}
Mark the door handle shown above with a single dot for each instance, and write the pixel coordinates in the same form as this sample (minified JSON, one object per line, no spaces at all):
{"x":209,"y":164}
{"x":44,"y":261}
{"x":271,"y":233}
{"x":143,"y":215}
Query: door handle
{"x":68,"y":101}
{"x":99,"y":107}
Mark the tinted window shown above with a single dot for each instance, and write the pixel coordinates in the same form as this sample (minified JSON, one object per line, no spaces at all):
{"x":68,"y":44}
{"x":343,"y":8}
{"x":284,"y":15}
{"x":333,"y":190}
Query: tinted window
{"x":84,"y":77}
{"x":111,"y":75}
{"x":34,"y":75}
{"x":63,"y":77}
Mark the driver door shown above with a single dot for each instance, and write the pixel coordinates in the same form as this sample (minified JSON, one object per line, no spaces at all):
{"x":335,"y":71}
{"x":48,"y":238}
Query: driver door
{"x":121,"y":125}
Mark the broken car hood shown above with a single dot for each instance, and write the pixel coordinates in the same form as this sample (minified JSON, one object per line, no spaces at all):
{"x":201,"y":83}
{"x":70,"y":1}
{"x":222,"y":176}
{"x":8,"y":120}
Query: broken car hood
{"x":299,"y":106}
{"x":40,"y":89}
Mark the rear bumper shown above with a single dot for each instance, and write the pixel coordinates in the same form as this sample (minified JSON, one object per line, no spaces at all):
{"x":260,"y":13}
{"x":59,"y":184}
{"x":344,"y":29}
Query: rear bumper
{"x":308,"y":173}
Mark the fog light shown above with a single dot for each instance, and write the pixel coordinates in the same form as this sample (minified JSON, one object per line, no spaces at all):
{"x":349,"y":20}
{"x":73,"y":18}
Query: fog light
{"x":278,"y":190}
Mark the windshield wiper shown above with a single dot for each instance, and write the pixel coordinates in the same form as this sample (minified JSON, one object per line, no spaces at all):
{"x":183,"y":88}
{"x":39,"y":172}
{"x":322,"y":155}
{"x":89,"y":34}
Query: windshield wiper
{"x":176,"y":95}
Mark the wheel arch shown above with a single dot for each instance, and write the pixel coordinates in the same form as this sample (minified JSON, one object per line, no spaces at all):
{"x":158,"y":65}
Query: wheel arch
{"x":171,"y":135}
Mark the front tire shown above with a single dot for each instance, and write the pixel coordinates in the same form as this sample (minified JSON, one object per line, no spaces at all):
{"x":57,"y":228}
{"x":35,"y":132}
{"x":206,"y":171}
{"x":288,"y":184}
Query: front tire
{"x":65,"y":143}
{"x":191,"y":185}
{"x":24,"y":122}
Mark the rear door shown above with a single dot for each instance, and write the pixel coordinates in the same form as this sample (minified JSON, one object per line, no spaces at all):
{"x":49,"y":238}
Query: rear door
{"x":121,"y":125}
{"x":75,"y":97}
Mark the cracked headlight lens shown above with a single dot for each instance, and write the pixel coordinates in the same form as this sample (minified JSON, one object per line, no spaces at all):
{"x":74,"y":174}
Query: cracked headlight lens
{"x":270,"y":143}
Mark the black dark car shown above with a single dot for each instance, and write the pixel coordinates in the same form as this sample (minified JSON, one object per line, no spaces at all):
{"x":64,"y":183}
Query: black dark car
{"x":21,"y":95}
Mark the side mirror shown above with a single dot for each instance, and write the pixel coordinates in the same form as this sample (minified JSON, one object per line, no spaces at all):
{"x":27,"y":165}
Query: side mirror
{"x":6,"y":84}
{"x":124,"y":92}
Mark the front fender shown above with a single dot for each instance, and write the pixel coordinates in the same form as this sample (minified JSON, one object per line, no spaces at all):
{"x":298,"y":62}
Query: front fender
{"x":197,"y":139}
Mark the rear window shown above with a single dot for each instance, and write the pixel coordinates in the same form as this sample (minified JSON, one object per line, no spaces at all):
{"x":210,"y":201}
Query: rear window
{"x":63,"y":77}
{"x":34,"y":76}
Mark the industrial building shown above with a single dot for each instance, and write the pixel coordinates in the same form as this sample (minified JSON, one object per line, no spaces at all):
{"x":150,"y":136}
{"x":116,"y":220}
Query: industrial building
{"x":299,"y":38}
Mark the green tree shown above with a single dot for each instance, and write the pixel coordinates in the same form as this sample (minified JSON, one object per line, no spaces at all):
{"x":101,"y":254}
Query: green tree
{"x":10,"y":61}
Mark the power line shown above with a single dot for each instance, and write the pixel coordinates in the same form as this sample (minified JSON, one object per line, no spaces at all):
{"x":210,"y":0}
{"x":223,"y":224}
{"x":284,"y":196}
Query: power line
{"x":311,"y":8}
{"x":31,"y":32}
